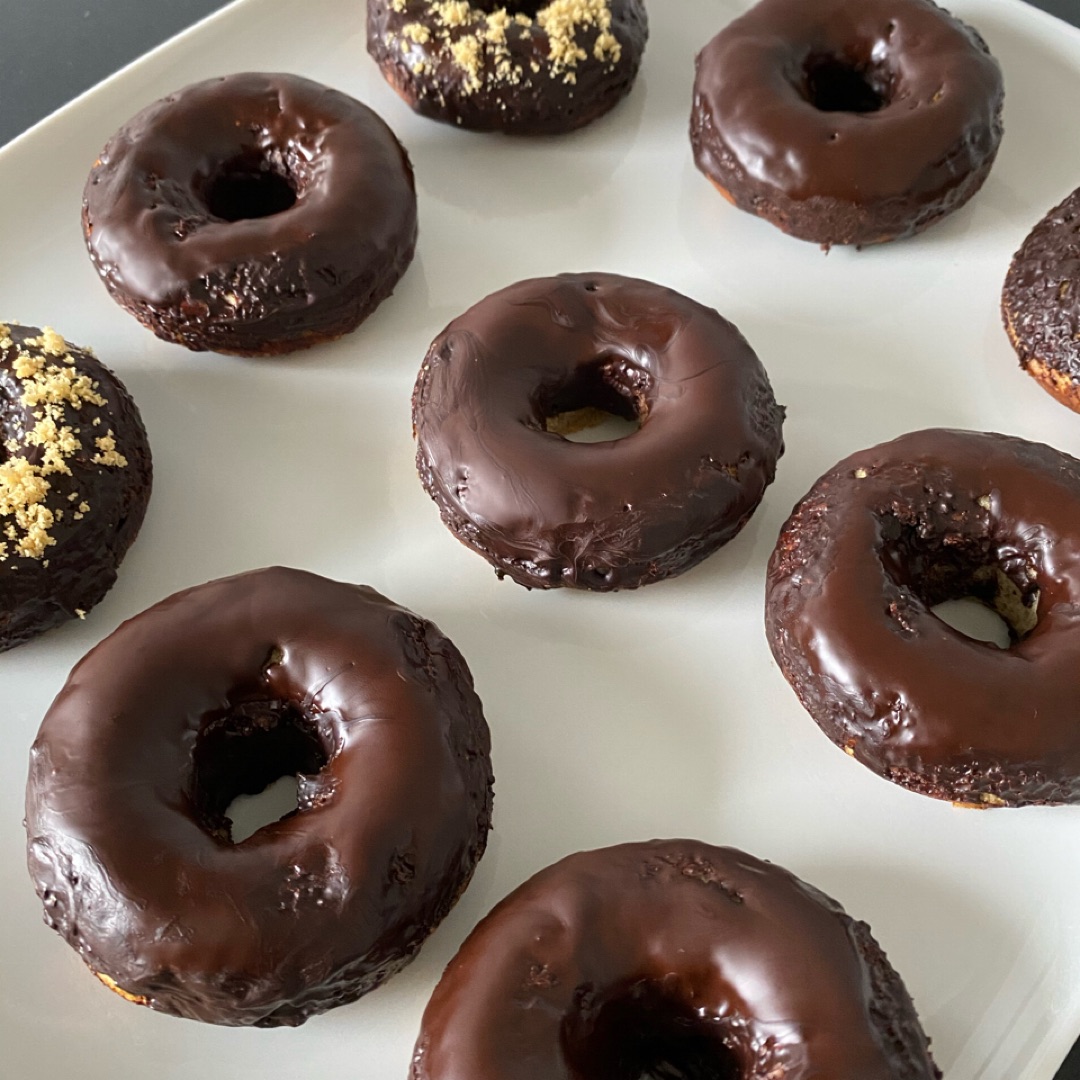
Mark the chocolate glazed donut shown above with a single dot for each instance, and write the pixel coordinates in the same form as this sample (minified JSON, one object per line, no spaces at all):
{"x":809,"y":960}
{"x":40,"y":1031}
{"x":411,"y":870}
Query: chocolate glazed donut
{"x":882,"y":538}
{"x":75,"y":479}
{"x":525,"y":67}
{"x":216,"y":692}
{"x":670,"y":958}
{"x":847,"y":121}
{"x":252,"y":214}
{"x":503,"y":382}
{"x":1040,"y":302}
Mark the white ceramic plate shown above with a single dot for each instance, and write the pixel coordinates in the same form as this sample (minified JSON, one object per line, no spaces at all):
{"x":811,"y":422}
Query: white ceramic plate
{"x":655,"y":713}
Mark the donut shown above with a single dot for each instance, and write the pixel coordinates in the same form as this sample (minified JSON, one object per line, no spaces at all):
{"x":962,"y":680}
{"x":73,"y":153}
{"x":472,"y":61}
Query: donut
{"x":252,"y":214}
{"x":216,"y":692}
{"x":1040,"y":302}
{"x":75,"y":479}
{"x":880,"y":540}
{"x":504,"y":384}
{"x":676,"y":959}
{"x":847,"y":121}
{"x":526,"y":68}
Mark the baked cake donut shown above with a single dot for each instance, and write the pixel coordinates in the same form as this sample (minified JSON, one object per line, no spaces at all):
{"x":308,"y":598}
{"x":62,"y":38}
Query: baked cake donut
{"x":214,"y":693}
{"x":880,"y":540}
{"x":504,"y":384}
{"x":670,"y":958}
{"x":75,"y":480}
{"x":526,"y":68}
{"x":1041,"y":302}
{"x":252,"y":214}
{"x":847,"y":121}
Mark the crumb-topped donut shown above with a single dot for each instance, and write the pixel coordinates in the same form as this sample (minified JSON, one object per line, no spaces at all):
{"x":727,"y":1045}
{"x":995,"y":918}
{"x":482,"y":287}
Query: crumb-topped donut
{"x":252,"y":214}
{"x":847,"y":121}
{"x":880,"y":540}
{"x":214,"y":693}
{"x":75,"y":477}
{"x":529,"y":68}
{"x":1040,"y":302}
{"x":670,"y":958}
{"x":504,"y":384}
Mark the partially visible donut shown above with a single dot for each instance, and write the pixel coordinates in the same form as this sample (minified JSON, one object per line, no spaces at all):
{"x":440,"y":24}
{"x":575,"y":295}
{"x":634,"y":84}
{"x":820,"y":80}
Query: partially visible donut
{"x":670,"y":958}
{"x":252,"y":214}
{"x":1040,"y":302}
{"x":503,"y":385}
{"x":214,"y":693}
{"x":881,"y":539}
{"x":527,"y":68}
{"x":75,"y":478}
{"x":847,"y":121}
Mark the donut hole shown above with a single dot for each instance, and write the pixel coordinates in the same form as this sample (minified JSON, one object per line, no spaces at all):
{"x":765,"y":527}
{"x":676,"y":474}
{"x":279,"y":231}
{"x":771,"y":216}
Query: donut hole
{"x":838,"y":84}
{"x":604,"y":401}
{"x":985,"y":592}
{"x":643,"y":1033}
{"x":253,"y":748}
{"x":976,"y":620}
{"x":249,"y":187}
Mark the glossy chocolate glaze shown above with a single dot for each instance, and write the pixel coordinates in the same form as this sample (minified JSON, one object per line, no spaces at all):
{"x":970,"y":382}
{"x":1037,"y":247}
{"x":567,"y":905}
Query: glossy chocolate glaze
{"x":1041,"y":302}
{"x":890,"y":532}
{"x":538,"y":100}
{"x":128,"y":844}
{"x":613,"y":963}
{"x":259,"y":285}
{"x":546,"y":511}
{"x":72,"y":575}
{"x":847,"y":177}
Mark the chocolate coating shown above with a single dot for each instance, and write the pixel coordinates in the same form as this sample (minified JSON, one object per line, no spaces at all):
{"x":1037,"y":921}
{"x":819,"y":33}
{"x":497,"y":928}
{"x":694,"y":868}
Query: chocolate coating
{"x":1040,"y":302}
{"x":496,"y":72}
{"x":847,"y":121}
{"x":890,"y":532}
{"x":216,"y":692}
{"x":252,"y":214}
{"x":70,"y":504}
{"x":546,"y":511}
{"x":616,"y":963}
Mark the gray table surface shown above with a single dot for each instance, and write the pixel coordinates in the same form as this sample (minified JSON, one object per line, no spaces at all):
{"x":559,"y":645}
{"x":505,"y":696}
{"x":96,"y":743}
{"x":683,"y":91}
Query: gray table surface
{"x":52,"y":50}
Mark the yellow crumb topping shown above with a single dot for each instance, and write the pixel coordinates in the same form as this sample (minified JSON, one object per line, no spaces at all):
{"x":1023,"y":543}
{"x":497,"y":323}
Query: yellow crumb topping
{"x":107,"y":453}
{"x":416,"y":32}
{"x":22,"y":497}
{"x":562,"y":19}
{"x":52,"y":391}
{"x":52,"y":342}
{"x":468,"y":54}
{"x":479,"y":44}
{"x":453,"y":12}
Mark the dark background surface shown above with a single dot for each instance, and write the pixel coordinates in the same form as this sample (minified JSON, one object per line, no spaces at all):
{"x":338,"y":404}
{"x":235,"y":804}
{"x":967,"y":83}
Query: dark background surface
{"x":53,"y":50}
